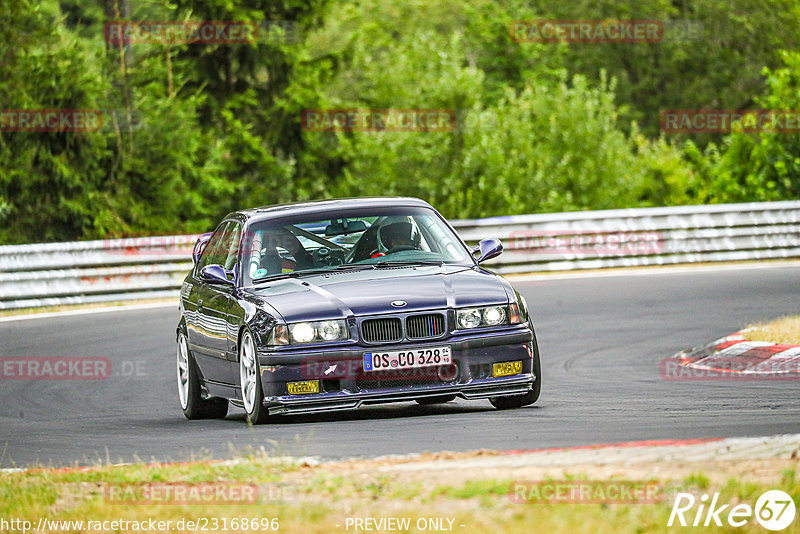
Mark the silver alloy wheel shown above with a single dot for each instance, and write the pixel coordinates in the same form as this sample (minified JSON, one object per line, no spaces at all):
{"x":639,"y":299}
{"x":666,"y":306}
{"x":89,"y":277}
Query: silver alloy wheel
{"x":183,"y":370}
{"x":248,"y":372}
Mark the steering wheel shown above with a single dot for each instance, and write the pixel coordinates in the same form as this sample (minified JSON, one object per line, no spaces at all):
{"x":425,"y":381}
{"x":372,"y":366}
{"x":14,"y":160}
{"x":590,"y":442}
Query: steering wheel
{"x":326,"y":256}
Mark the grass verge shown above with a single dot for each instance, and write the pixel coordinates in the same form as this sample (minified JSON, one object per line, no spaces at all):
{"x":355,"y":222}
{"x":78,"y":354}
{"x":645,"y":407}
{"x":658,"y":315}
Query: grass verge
{"x":329,"y":497}
{"x":785,"y":330}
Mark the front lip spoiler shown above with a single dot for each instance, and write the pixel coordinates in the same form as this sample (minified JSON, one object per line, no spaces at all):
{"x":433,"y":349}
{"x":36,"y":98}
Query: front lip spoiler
{"x":518,"y":385}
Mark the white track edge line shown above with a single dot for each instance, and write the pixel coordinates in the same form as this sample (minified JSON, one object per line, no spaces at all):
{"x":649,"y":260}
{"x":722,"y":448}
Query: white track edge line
{"x":105,"y":309}
{"x":644,"y":271}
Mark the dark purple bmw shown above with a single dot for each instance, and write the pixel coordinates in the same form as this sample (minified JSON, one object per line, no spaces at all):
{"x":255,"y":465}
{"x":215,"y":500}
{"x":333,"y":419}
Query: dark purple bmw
{"x":337,"y":304}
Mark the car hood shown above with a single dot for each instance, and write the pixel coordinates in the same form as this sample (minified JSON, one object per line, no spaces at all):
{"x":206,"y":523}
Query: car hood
{"x":360,"y":293}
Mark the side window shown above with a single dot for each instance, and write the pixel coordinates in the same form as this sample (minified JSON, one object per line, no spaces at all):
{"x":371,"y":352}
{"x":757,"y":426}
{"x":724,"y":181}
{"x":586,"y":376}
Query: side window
{"x":223,"y":247}
{"x":232,"y":243}
{"x":211,"y":254}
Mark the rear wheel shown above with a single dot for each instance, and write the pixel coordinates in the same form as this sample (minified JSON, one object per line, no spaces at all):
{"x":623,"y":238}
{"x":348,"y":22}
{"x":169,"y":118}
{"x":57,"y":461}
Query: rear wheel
{"x":250,"y":379}
{"x":436,"y":400}
{"x":518,"y":401}
{"x":189,"y":393}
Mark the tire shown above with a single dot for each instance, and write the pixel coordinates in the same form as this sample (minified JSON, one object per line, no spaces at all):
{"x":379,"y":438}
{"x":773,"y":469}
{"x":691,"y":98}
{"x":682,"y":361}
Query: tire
{"x":250,"y":381}
{"x":518,"y":401}
{"x":427,"y":401}
{"x":189,"y":392}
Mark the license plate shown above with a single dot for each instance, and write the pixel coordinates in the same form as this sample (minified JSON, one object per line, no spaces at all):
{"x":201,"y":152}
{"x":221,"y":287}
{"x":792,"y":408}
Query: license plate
{"x":407,"y":359}
{"x":303,"y":388}
{"x":506,"y":369}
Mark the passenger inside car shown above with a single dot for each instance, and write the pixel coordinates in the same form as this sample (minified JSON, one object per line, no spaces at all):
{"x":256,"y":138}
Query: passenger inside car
{"x":279,"y":252}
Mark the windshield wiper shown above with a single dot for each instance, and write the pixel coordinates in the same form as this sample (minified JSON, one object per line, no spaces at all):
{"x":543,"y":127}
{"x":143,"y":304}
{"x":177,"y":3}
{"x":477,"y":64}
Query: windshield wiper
{"x":353,"y":267}
{"x":393,"y":263}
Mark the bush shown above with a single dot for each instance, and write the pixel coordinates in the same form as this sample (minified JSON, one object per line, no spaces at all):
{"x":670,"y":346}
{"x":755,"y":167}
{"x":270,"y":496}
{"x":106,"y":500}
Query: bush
{"x":756,"y":167}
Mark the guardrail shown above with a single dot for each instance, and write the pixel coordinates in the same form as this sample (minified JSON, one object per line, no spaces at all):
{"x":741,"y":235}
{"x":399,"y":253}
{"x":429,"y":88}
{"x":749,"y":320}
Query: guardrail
{"x":53,"y":274}
{"x":641,"y":236}
{"x":153,"y":267}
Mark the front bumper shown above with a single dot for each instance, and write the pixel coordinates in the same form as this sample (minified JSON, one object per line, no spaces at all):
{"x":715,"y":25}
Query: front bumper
{"x":344,"y":385}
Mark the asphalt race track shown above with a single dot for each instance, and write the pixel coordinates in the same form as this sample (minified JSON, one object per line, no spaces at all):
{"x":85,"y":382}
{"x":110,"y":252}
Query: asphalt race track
{"x":601,"y":340}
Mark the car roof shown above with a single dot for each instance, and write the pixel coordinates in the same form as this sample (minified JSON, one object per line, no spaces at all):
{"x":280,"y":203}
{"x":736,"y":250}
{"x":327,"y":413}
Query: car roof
{"x":300,"y":208}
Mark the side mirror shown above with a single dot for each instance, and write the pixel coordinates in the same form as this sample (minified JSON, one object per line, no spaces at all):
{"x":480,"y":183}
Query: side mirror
{"x":488,"y":249}
{"x":200,"y":246}
{"x":215,"y":274}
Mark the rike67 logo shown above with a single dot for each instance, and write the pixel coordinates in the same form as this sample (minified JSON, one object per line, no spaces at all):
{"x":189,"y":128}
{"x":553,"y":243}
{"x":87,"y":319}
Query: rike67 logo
{"x":774,"y":510}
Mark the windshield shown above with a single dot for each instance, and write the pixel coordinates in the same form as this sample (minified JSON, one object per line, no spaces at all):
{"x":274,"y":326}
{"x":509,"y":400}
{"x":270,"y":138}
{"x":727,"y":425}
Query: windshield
{"x":348,"y":240}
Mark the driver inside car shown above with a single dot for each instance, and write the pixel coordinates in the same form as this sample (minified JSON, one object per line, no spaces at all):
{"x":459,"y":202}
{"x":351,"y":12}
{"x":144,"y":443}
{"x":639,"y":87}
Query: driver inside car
{"x":399,"y":236}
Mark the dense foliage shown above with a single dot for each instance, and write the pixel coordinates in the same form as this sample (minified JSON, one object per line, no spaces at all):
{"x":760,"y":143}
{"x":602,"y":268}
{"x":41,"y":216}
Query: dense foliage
{"x":193,"y":131}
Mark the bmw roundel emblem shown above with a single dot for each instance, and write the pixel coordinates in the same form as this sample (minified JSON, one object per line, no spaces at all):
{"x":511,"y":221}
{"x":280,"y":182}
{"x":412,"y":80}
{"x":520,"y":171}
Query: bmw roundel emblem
{"x":399,"y":303}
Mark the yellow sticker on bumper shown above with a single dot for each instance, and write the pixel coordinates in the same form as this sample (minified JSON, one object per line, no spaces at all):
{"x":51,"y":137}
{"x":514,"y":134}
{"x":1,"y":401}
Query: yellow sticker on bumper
{"x":506,"y":369}
{"x":303,"y":388}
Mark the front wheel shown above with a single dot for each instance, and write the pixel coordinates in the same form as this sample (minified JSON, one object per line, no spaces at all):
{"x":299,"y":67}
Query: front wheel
{"x":192,"y":402}
{"x":250,"y":379}
{"x":518,"y":401}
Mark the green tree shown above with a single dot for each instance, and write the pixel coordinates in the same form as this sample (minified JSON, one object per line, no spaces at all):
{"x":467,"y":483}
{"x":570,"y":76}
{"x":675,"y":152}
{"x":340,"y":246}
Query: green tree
{"x":541,"y":141}
{"x":757,"y":167}
{"x":150,"y":168}
{"x":717,"y":68}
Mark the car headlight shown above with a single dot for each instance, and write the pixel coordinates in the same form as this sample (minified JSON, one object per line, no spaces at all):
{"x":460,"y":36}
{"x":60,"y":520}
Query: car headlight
{"x":488,"y":316}
{"x":329,"y":330}
{"x":469,"y":318}
{"x":494,"y":315}
{"x":302,"y":332}
{"x":309,"y":332}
